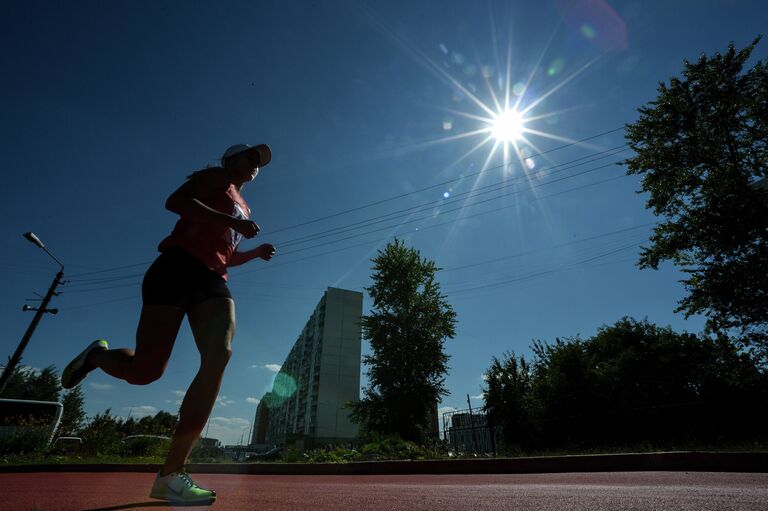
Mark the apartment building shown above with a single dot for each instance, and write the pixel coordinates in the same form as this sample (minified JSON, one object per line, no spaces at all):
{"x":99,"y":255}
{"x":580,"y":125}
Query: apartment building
{"x":320,"y":375}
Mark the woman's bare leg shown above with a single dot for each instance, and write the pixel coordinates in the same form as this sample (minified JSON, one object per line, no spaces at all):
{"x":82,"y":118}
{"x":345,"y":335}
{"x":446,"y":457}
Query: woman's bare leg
{"x":155,"y":336}
{"x":213,"y":325}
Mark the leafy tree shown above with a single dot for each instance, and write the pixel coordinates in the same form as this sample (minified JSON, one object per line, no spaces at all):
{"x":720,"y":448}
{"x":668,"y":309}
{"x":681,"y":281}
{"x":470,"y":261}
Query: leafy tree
{"x":631,"y":383}
{"x":162,"y":423}
{"x":26,"y":383}
{"x":701,"y":147}
{"x":102,"y":434}
{"x":507,"y":396}
{"x":407,"y":327}
{"x":74,"y":413}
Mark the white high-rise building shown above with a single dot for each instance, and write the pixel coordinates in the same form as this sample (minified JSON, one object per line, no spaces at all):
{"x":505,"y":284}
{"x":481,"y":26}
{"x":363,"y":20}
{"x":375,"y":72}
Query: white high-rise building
{"x":306,"y":406}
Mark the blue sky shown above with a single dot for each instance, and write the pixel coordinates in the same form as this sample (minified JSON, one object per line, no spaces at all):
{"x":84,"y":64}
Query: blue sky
{"x":373,"y":107}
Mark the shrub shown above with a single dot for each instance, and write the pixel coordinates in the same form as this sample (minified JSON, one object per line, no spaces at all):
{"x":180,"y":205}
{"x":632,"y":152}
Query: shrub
{"x":26,"y":436}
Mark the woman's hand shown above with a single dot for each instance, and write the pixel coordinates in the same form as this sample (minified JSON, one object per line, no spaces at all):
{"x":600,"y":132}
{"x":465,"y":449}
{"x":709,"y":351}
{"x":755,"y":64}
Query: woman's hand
{"x":266,"y":251}
{"x":247,"y":228}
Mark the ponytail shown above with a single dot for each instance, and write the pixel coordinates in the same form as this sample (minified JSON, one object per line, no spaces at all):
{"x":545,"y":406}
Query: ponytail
{"x":204,"y":171}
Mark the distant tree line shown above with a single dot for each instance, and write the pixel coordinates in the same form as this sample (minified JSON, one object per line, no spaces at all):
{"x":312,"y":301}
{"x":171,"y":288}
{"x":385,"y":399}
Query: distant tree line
{"x":45,"y":385}
{"x":103,"y":432}
{"x":631,"y":384}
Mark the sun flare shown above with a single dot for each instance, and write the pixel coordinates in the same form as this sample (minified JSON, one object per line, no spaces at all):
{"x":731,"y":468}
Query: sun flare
{"x":508,"y":126}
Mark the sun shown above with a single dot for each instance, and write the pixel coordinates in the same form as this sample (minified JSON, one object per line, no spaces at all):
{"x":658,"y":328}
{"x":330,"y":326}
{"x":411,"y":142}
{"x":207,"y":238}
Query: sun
{"x":508,"y":126}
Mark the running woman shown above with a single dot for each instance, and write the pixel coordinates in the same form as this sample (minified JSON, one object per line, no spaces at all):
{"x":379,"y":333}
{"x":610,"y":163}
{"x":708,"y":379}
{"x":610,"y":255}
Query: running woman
{"x":189,"y":278}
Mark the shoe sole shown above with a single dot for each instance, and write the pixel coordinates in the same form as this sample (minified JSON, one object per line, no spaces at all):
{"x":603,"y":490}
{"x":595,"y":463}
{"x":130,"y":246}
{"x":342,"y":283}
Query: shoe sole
{"x":177,"y":500}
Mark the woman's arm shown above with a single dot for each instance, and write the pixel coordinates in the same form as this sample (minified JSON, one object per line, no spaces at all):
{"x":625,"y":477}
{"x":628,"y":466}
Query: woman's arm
{"x":265,"y":251}
{"x":185,"y":201}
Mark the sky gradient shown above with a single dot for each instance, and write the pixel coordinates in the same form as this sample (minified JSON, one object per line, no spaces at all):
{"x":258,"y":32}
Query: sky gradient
{"x":375,"y":113}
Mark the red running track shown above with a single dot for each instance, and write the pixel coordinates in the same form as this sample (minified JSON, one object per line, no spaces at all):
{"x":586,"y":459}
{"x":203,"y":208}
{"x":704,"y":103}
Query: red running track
{"x":668,"y":491}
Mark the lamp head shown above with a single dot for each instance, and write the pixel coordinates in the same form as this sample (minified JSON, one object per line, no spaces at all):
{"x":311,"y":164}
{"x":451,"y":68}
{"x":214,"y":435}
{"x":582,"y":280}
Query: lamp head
{"x":34,"y":239}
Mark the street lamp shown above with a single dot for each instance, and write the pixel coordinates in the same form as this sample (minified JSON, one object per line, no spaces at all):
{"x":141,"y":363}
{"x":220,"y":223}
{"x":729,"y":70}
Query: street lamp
{"x":38,"y":314}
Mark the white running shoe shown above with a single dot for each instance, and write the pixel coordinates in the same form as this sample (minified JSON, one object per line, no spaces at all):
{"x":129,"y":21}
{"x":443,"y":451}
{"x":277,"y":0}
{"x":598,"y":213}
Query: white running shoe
{"x":78,"y":369}
{"x":180,"y":488}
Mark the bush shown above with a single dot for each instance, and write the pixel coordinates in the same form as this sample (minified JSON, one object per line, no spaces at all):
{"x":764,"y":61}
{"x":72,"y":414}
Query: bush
{"x":207,"y":454}
{"x":101,"y":436}
{"x":337,"y":455}
{"x":25,"y":436}
{"x":145,"y":446}
{"x":392,"y":448}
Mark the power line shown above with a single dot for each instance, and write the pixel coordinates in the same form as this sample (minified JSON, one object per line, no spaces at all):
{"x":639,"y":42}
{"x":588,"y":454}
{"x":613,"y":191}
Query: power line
{"x":372,"y":221}
{"x":366,"y":243}
{"x":543,"y":273}
{"x":400,"y":196}
{"x":447,"y":211}
{"x":456,"y":198}
{"x":560,"y":245}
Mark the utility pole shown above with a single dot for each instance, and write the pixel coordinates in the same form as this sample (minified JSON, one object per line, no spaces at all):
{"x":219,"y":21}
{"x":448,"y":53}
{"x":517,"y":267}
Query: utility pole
{"x":14,"y":360}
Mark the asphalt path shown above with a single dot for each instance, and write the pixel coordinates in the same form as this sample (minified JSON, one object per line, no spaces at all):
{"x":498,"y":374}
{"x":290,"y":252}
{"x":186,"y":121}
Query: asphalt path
{"x":667,"y":491}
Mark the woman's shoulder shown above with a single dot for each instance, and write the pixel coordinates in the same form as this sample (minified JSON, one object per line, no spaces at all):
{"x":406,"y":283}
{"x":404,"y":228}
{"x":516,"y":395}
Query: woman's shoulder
{"x":208,"y":173}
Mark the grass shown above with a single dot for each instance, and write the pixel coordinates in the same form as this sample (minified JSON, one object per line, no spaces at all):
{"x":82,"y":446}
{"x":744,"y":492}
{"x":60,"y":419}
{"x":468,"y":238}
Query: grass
{"x":375,"y":449}
{"x":55,"y":459}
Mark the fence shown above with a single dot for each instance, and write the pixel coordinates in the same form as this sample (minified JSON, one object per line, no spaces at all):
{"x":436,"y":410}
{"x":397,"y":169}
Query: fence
{"x":18,"y":415}
{"x":468,"y":431}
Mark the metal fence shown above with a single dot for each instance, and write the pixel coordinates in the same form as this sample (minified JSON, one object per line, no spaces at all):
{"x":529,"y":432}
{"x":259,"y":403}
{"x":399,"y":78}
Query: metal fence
{"x":468,"y":431}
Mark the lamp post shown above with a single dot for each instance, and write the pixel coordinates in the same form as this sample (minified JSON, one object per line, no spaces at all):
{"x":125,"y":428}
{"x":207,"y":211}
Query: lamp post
{"x":38,"y":314}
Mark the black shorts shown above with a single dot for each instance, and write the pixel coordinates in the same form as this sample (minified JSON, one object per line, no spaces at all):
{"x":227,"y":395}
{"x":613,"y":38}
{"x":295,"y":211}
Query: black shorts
{"x":178,"y":278}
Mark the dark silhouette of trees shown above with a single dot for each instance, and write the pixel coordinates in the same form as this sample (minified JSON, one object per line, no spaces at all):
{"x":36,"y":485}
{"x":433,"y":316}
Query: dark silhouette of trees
{"x":407,"y":327}
{"x":26,"y":383}
{"x":701,"y":148}
{"x":633,"y":383}
{"x":73,"y":416}
{"x":508,"y":397}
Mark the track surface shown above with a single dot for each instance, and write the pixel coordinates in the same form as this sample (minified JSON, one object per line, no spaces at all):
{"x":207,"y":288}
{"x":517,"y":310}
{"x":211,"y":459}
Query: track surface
{"x":668,"y":491}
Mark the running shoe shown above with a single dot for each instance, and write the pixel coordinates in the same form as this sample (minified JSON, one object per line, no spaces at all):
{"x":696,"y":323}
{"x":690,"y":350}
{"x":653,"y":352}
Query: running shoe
{"x":179,"y":488}
{"x":78,"y":369}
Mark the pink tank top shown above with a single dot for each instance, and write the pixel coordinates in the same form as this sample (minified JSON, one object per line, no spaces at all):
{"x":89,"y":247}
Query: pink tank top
{"x":211,"y":243}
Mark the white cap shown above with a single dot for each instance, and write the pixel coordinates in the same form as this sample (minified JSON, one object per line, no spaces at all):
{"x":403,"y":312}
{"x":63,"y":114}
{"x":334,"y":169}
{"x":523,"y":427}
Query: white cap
{"x":262,"y":150}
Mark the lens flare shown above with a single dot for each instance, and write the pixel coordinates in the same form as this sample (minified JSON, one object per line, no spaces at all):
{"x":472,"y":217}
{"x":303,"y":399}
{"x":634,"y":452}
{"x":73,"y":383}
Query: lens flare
{"x":508,"y":126}
{"x":283,"y":387}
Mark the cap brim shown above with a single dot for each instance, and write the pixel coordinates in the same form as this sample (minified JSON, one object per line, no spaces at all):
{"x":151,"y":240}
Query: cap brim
{"x":264,"y":152}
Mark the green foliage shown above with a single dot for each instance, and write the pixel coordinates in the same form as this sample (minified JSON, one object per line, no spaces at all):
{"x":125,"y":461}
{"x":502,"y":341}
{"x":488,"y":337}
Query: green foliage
{"x":335,"y":455}
{"x":162,"y":423}
{"x":73,"y":416}
{"x":292,"y":455}
{"x":507,"y":397}
{"x":145,"y":446}
{"x":406,"y":328}
{"x":633,"y":383}
{"x":26,"y":383}
{"x":701,"y":147}
{"x":392,"y":447}
{"x":104,"y":434}
{"x":202,"y":453}
{"x":28,"y":437}
{"x":374,"y":448}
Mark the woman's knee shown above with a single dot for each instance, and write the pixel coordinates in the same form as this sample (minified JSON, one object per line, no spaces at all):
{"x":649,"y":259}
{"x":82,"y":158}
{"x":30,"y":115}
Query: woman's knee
{"x":146,"y":375}
{"x":216,"y":358}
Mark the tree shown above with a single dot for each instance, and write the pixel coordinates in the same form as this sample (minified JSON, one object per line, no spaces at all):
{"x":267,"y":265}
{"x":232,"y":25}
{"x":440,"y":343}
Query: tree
{"x":507,"y":398}
{"x":26,"y":383}
{"x":632,"y":383}
{"x":74,"y":413}
{"x":702,"y":148}
{"x":407,"y":327}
